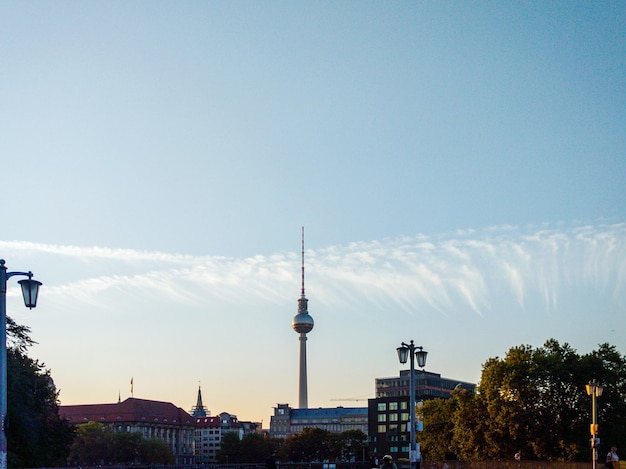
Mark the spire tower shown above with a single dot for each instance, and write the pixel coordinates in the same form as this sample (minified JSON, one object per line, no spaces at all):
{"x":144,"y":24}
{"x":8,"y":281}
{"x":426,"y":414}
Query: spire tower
{"x":199,"y":410}
{"x":302,"y":323}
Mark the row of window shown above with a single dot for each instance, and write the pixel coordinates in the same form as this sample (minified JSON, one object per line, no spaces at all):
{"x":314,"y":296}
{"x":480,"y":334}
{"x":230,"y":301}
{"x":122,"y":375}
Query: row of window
{"x":385,"y":406}
{"x":393,"y":417}
{"x":394,"y":428}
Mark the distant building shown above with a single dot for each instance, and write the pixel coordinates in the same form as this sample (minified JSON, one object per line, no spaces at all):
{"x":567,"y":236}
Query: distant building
{"x":211,"y":430}
{"x":287,"y":421}
{"x":427,"y":385}
{"x":389,"y":416}
{"x":199,"y":410}
{"x":153,"y":419}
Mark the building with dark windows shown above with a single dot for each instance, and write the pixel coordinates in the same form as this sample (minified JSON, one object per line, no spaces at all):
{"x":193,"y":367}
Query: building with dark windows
{"x":287,"y":421}
{"x":388,"y":412}
{"x":211,"y":430}
{"x":152,"y":419}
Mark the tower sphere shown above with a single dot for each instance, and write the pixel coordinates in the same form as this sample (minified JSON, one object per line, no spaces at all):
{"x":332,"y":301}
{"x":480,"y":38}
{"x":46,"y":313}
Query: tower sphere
{"x":302,"y":323}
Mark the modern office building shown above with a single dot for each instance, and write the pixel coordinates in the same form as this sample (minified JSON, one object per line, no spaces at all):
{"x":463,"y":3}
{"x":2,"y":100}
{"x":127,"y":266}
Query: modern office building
{"x":287,"y":421}
{"x":153,"y":419}
{"x":388,"y":412}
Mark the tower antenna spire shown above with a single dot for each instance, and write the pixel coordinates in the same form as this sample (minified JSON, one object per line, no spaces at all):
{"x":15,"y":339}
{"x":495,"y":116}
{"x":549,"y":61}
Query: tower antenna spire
{"x":302,"y":291}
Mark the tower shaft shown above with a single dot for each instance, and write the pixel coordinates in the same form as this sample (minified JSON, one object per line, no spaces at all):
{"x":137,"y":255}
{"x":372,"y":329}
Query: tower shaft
{"x":303,"y":400}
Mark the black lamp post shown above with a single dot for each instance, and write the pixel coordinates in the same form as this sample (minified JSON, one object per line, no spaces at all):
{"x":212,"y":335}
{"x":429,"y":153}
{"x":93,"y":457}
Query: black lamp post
{"x":412,"y":351}
{"x":594,"y":390}
{"x":30,"y":290}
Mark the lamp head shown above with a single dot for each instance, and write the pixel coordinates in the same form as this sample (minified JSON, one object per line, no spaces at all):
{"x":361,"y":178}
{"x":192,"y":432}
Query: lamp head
{"x":403,"y":353}
{"x":30,"y":290}
{"x":421,"y":357}
{"x":594,"y":389}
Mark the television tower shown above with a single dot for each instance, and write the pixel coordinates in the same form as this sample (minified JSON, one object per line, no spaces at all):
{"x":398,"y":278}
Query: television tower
{"x":302,"y":323}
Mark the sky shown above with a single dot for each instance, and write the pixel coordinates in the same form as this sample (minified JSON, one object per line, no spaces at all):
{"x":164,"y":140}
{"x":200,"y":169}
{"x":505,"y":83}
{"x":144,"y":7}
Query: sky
{"x":458,"y":167}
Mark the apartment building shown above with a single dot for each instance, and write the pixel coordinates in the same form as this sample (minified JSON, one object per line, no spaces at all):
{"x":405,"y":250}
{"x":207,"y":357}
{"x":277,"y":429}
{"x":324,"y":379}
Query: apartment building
{"x":210,"y":431}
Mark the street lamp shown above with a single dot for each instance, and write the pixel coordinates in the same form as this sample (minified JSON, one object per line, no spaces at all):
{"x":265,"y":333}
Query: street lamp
{"x":409,"y":351}
{"x":594,"y":390}
{"x":30,"y":290}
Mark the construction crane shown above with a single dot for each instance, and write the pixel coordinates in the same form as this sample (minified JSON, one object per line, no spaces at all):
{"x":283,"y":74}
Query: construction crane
{"x":351,"y":399}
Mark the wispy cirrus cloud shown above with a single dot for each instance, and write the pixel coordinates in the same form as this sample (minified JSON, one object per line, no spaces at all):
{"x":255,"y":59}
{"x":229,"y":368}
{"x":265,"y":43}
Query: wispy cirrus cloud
{"x":473,"y":270}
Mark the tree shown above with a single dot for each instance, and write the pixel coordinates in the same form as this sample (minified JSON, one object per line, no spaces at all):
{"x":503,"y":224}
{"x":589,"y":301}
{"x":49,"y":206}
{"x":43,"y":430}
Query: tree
{"x":255,"y":447}
{"x":470,"y":426}
{"x":36,"y":434}
{"x":252,"y":448}
{"x":230,"y":449}
{"x":155,"y":451}
{"x":352,"y":445}
{"x":534,"y":401}
{"x":97,"y":444}
{"x":313,"y":444}
{"x":92,"y":444}
{"x":435,"y":440}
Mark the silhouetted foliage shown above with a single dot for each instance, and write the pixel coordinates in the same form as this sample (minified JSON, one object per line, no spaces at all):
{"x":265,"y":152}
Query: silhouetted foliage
{"x":97,"y":444}
{"x":313,"y":444}
{"x":36,"y":434}
{"x":252,"y":448}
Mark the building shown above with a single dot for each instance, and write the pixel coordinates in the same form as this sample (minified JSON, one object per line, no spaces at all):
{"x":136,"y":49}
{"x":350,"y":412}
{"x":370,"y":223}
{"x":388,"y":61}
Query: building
{"x":210,"y":431}
{"x":388,"y":412}
{"x":153,"y":419}
{"x":287,"y":421}
{"x":427,"y":385}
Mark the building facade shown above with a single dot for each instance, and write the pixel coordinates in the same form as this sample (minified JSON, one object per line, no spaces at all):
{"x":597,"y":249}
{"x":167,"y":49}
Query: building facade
{"x":210,"y":431}
{"x":388,"y":413}
{"x":287,"y":421}
{"x":153,"y":419}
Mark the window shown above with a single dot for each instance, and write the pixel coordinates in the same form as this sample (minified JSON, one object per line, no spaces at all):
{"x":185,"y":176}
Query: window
{"x":404,"y":405}
{"x":404,"y":416}
{"x":382,"y":428}
{"x":382,"y":406}
{"x":382,"y":417}
{"x":393,"y":417}
{"x":393,"y":406}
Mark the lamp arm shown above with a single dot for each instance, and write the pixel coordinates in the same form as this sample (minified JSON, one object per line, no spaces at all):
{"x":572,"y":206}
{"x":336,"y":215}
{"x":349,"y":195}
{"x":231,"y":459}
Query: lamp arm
{"x":24,"y":274}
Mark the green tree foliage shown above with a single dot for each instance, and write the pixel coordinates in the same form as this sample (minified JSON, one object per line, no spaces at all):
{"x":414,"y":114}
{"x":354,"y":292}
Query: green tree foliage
{"x":229,"y":452}
{"x":352,"y":444}
{"x":36,"y":435}
{"x":252,"y":448}
{"x":155,"y":451}
{"x":97,"y":444}
{"x":438,"y":428}
{"x":92,"y":444}
{"x":533,"y":401}
{"x":313,"y":444}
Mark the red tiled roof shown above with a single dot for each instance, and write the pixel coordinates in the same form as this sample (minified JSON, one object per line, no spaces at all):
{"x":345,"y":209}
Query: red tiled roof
{"x":217,"y":421}
{"x":130,"y":410}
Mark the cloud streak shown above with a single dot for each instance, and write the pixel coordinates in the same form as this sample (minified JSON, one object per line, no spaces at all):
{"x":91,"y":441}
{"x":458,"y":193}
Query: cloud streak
{"x":475,"y":270}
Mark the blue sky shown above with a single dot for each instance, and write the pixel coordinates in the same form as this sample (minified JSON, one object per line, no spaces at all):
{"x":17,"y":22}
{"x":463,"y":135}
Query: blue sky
{"x":458,"y":167}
